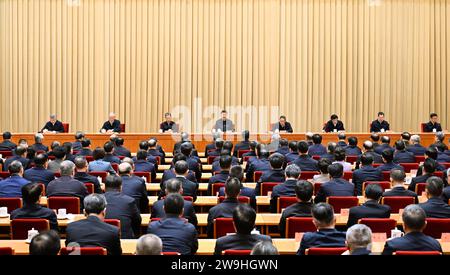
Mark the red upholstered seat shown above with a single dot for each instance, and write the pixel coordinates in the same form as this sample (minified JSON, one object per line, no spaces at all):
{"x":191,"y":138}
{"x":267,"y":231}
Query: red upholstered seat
{"x":299,"y":224}
{"x":339,"y":203}
{"x":71,"y":204}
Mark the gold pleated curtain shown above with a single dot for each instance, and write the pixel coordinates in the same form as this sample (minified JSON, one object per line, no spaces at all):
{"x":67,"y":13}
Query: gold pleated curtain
{"x":305,"y":59}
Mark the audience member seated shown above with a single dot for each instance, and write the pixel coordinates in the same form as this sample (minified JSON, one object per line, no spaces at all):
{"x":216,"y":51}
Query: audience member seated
{"x":398,"y":190}
{"x":415,"y":147}
{"x":39,"y":173}
{"x":149,"y":244}
{"x":414,"y":222}
{"x":304,"y":161}
{"x":401,"y":155}
{"x":38,"y":146}
{"x":323,"y":169}
{"x":287,"y":188}
{"x":176,"y":233}
{"x":109,"y":153}
{"x":46,"y":243}
{"x":185,"y":139}
{"x":224,"y":209}
{"x":222,"y":176}
{"x":81,"y":174}
{"x":244,"y":218}
{"x":375,"y":138}
{"x":371,"y":208}
{"x":366,"y":173}
{"x":339,"y":157}
{"x":93,"y":231}
{"x":303,"y":191}
{"x":431,"y":153}
{"x":98,"y":165}
{"x":308,"y":138}
{"x":317,"y":149}
{"x":237,"y":172}
{"x":120,"y":150}
{"x":11,"y":187}
{"x":76,"y":145}
{"x":368,"y":150}
{"x":341,"y":140}
{"x":446,"y":191}
{"x":170,"y":173}
{"x":193,"y":162}
{"x":122,"y":207}
{"x":337,"y":186}
{"x":326,"y":234}
{"x":429,"y":167}
{"x":7,"y":144}
{"x":331,"y":147}
{"x":434,"y":207}
{"x":189,"y":188}
{"x":293,"y":152}
{"x":443,"y":153}
{"x":385,"y":144}
{"x":85,"y":148}
{"x":352,"y":148}
{"x":69,"y":151}
{"x":60,"y":155}
{"x":252,"y":153}
{"x":260,"y":163}
{"x":276,"y":172}
{"x":133,"y":186}
{"x":174,"y":186}
{"x":216,"y":162}
{"x":217,"y":148}
{"x":212,"y":146}
{"x":264,"y":248}
{"x":154,"y":150}
{"x":388,"y":159}
{"x":20,"y":154}
{"x":142,"y":165}
{"x":359,"y":240}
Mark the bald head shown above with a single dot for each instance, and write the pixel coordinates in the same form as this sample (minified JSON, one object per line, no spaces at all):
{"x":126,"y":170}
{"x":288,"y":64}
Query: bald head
{"x":149,"y":244}
{"x":125,"y":168}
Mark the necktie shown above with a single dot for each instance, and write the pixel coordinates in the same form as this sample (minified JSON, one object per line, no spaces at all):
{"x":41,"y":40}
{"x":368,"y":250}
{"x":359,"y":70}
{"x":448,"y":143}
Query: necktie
{"x":224,"y":125}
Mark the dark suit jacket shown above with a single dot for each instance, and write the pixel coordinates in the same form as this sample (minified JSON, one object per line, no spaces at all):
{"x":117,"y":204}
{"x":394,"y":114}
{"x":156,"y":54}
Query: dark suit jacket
{"x":418,"y":179}
{"x":189,"y":188}
{"x":430,"y":126}
{"x":400,"y":191}
{"x":169,"y":174}
{"x":243,"y":145}
{"x":446,"y":194}
{"x":272,"y":175}
{"x":365,"y":173}
{"x":239,"y":242}
{"x":145,"y":166}
{"x":85,"y":152}
{"x":335,"y":187}
{"x":291,"y":157}
{"x":7,"y":145}
{"x":258,"y":164}
{"x":382,"y":147}
{"x":123,"y":208}
{"x":210,"y":147}
{"x":299,"y":209}
{"x":11,"y":187}
{"x":58,"y":126}
{"x":376,"y":158}
{"x":436,"y":208}
{"x":85,"y":178}
{"x":287,"y":127}
{"x":76,"y":145}
{"x":115,"y":126}
{"x":67,"y":187}
{"x":377,"y":126}
{"x":122,"y":151}
{"x":370,"y":209}
{"x":413,"y":241}
{"x":177,"y":235}
{"x":111,"y":159}
{"x":220,"y":177}
{"x":39,"y":147}
{"x":404,"y":157}
{"x":25,"y":162}
{"x":36,"y":211}
{"x":342,"y":144}
{"x":352,"y":150}
{"x":135,"y":187}
{"x":416,"y":149}
{"x":443,"y":156}
{"x":166,"y":126}
{"x":329,"y":126}
{"x":286,"y":189}
{"x":321,"y":238}
{"x":189,"y":211}
{"x":39,"y":174}
{"x":317,"y":150}
{"x":306,"y":163}
{"x":94,"y":232}
{"x":389,"y":166}
{"x":222,"y":210}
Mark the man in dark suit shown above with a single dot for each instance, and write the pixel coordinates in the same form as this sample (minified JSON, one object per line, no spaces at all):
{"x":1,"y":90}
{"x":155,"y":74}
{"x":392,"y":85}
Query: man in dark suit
{"x":176,"y":233}
{"x":134,"y":187}
{"x":331,"y":147}
{"x":415,"y":147}
{"x":68,"y":150}
{"x":194,"y":164}
{"x":38,"y":146}
{"x":39,"y":173}
{"x":326,"y":234}
{"x":388,"y":159}
{"x":109,"y":153}
{"x":170,"y":173}
{"x":282,"y":126}
{"x":401,"y":155}
{"x":212,"y":146}
{"x":293,"y":152}
{"x":379,"y":124}
{"x":398,"y":190}
{"x":120,"y":150}
{"x":185,"y":139}
{"x":142,"y":165}
{"x":155,"y":150}
{"x":237,"y":172}
{"x":122,"y":207}
{"x":385,"y":141}
{"x":66,"y":185}
{"x":31,"y":209}
{"x":93,"y":231}
{"x":337,"y":186}
{"x":317,"y":149}
{"x":429,"y":167}
{"x":244,"y":218}
{"x":76,"y":145}
{"x":375,"y":138}
{"x":174,"y":186}
{"x":371,"y":208}
{"x":341,"y":140}
{"x":366,"y":173}
{"x":352,"y":148}
{"x":216,"y":163}
{"x":168,"y":125}
{"x":53,"y":126}
{"x":224,"y":124}
{"x":414,"y":222}
{"x":46,"y":243}
{"x":287,"y":188}
{"x":224,"y":209}
{"x":303,"y":191}
{"x":11,"y":187}
{"x":446,"y":191}
{"x":20,"y":154}
{"x":6,"y":144}
{"x":81,"y":174}
{"x":260,"y":163}
{"x":433,"y":125}
{"x":283,"y":147}
{"x":359,"y":240}
{"x":189,"y":188}
{"x":368,"y":150}
{"x":252,"y":153}
{"x":112,"y":125}
{"x":244,"y":144}
{"x":222,"y":176}
{"x":304,"y":161}
{"x":443,"y":153}
{"x":276,"y":172}
{"x":85,"y":148}
{"x":434,"y":207}
{"x":218,"y":144}
{"x":333,"y":125}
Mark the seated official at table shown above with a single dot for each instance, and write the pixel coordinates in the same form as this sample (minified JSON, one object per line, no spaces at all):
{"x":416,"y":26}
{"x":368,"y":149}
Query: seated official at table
{"x":285,"y":189}
{"x":337,"y":186}
{"x":176,"y":233}
{"x":222,"y":176}
{"x":244,"y":218}
{"x":401,"y":155}
{"x":53,"y":126}
{"x":385,"y":144}
{"x":429,"y":167}
{"x":435,"y":207}
{"x":133,"y":186}
{"x":46,"y":243}
{"x":366,"y":173}
{"x":149,"y":244}
{"x":20,"y":154}
{"x":433,"y":125}
{"x":93,"y":231}
{"x":388,"y":160}
{"x":39,"y":173}
{"x":11,"y":187}
{"x":379,"y":124}
{"x":416,"y":148}
{"x":333,"y":125}
{"x":224,"y":124}
{"x":7,"y":144}
{"x":81,"y":174}
{"x":304,"y":161}
{"x":326,"y":234}
{"x":112,"y":125}
{"x":169,"y":125}
{"x":359,"y":240}
{"x":242,"y":145}
{"x":414,"y":222}
{"x":397,"y":182}
{"x":276,"y":172}
{"x":238,"y":172}
{"x":282,"y":126}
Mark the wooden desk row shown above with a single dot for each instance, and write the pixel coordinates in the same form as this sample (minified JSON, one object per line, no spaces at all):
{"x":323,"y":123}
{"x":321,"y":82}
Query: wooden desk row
{"x":205,"y":246}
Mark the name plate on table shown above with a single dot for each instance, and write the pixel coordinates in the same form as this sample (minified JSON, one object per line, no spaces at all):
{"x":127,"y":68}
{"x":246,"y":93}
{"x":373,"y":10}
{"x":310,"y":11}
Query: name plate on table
{"x":298,"y":236}
{"x":345,"y":211}
{"x":379,"y":237}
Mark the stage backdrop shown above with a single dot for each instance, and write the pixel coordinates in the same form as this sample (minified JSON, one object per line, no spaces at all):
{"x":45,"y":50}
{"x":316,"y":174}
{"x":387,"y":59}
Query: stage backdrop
{"x":140,"y":58}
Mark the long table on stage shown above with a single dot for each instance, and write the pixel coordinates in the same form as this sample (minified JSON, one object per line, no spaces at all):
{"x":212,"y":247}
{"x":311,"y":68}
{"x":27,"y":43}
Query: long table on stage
{"x":167,"y":141}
